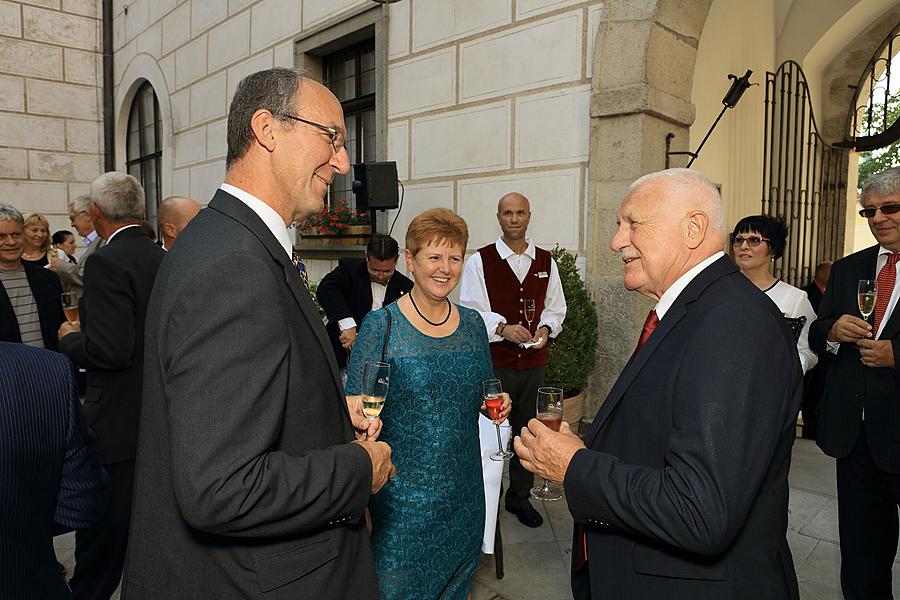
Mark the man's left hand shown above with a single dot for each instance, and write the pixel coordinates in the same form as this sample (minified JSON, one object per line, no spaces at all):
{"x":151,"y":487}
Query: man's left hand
{"x":546,"y":452}
{"x":876,"y":353}
{"x":66,"y":328}
{"x":542,"y":334}
{"x":364,"y":429}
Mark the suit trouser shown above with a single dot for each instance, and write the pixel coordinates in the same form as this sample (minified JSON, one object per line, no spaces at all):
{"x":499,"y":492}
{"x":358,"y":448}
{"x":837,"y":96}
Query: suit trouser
{"x":100,"y":549}
{"x":522,"y":386}
{"x":867,"y":522}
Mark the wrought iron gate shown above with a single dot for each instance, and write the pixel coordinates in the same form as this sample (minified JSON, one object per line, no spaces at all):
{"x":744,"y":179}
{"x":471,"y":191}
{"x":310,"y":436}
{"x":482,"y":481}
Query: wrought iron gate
{"x":804,"y":179}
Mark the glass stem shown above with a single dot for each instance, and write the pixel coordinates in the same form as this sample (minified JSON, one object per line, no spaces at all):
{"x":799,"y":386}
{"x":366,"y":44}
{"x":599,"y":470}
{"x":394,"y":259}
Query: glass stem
{"x":499,"y":443}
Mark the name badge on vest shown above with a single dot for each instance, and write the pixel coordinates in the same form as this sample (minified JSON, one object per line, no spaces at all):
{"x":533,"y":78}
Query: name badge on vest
{"x":541,"y":275}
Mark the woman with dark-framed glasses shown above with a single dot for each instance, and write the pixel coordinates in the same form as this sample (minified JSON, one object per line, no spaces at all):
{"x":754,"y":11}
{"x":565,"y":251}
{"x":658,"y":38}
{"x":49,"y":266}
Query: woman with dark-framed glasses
{"x":757,"y":241}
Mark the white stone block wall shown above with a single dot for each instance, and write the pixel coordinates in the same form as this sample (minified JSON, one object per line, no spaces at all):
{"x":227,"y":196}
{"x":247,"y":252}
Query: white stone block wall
{"x":50,"y":104}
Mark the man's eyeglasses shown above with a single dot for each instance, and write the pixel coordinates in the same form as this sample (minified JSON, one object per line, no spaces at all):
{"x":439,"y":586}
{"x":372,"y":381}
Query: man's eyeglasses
{"x":752,"y":240}
{"x":336,"y":137}
{"x":886,"y":209}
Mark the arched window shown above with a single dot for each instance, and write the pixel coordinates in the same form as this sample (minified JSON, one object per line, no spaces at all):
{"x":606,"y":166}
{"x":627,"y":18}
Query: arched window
{"x":144,"y":147}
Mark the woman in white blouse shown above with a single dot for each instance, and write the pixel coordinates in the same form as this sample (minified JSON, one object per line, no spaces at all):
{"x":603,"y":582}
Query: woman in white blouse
{"x":756,"y":242}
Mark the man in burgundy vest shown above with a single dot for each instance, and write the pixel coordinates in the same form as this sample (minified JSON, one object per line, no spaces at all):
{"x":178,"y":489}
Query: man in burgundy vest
{"x":499,"y":281}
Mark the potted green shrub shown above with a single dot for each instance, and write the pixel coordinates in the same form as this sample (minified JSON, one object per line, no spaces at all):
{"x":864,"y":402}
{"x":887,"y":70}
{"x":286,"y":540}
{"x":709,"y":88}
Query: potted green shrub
{"x":572,"y":356}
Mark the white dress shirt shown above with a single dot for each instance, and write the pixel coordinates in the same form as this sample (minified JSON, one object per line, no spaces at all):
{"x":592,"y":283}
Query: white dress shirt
{"x":265,"y":212}
{"x":473,"y":290}
{"x":114,"y":233}
{"x":668,"y":298}
{"x":378,"y":293}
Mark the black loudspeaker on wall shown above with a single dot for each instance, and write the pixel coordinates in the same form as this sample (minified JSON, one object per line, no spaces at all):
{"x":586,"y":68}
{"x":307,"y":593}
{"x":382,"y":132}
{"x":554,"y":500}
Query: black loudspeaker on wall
{"x":375,"y":185}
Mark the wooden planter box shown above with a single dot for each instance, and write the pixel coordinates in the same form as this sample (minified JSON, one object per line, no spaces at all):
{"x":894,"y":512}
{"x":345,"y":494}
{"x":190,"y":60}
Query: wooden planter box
{"x":354,"y":235}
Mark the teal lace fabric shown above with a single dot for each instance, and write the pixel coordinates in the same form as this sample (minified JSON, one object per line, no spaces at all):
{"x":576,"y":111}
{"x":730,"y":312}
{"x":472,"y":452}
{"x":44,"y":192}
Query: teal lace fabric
{"x":429,"y":520}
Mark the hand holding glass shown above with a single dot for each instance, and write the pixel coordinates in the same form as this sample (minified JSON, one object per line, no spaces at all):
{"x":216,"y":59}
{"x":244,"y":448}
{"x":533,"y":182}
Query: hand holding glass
{"x":549,"y":412}
{"x":70,"y":306}
{"x":867,"y":293}
{"x":375,"y":381}
{"x":493,"y":401}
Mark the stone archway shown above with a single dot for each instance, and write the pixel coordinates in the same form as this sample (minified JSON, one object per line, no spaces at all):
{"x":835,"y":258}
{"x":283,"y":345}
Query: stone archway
{"x":643,"y":65}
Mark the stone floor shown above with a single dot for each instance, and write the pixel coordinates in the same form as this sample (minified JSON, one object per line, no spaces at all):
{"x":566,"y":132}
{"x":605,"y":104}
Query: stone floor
{"x":536,"y":561}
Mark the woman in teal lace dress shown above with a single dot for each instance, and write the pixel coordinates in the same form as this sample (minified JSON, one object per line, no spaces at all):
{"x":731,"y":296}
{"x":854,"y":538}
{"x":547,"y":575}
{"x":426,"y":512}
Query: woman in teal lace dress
{"x":428,"y":521}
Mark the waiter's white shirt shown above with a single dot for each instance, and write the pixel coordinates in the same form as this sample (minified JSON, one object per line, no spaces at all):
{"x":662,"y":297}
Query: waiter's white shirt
{"x":473,"y":290}
{"x":378,"y":292}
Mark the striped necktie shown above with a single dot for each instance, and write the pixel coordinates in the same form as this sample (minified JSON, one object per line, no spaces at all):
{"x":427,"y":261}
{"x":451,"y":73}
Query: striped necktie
{"x":301,"y":269}
{"x":887,"y":277}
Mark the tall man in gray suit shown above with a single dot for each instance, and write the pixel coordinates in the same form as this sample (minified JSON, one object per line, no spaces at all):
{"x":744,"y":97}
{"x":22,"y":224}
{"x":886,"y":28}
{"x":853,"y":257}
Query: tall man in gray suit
{"x":253,"y":475}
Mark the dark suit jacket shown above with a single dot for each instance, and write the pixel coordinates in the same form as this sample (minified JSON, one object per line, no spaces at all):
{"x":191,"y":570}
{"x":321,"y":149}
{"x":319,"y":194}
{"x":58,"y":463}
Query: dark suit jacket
{"x":347,"y":292}
{"x":814,"y":295}
{"x":118,"y":279}
{"x":45,"y":288}
{"x":683,"y":488}
{"x":247,"y":487}
{"x":851,"y":386}
{"x":50,"y":478}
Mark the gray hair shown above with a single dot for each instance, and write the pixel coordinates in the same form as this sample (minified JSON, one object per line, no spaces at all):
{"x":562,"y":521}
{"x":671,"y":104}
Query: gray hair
{"x":8,"y":212}
{"x":886,"y":183}
{"x":696,"y":182}
{"x":80,"y":203}
{"x":274,"y":90}
{"x":119,"y":197}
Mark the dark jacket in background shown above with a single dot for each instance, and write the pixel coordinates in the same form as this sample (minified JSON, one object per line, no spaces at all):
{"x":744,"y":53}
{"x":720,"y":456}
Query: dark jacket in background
{"x":46,"y":289}
{"x":50,"y":478}
{"x":347,"y":292}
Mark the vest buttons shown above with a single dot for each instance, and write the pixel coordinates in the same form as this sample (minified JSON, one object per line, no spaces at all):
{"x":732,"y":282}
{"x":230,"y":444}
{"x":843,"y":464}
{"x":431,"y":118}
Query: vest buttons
{"x":520,"y":312}
{"x":518,"y":356}
{"x":521,"y":289}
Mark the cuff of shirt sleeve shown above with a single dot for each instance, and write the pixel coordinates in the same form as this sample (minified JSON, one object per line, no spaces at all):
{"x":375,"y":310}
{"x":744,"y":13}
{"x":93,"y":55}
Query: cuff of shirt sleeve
{"x":347,"y":323}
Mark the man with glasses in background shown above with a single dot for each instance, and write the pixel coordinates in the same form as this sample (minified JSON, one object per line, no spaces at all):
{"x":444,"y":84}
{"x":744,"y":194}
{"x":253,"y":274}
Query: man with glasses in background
{"x":859,"y":421}
{"x":72,"y":274}
{"x":253,"y":476}
{"x":358,"y":286}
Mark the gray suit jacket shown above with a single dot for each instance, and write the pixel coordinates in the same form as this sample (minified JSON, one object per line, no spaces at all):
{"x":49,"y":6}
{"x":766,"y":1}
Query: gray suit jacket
{"x":72,"y":275}
{"x":246,"y":485}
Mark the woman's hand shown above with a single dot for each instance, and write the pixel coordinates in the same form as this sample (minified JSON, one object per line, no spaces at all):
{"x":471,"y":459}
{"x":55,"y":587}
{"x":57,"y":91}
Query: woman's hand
{"x":365,"y":429}
{"x":504,"y":409}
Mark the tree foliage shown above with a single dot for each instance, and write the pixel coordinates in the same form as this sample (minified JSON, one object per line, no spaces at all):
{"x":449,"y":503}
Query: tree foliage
{"x":883,"y":158}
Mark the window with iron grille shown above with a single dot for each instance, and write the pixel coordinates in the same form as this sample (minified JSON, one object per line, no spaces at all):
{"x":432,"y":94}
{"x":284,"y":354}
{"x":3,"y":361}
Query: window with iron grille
{"x":143,"y":154}
{"x":350,"y":75}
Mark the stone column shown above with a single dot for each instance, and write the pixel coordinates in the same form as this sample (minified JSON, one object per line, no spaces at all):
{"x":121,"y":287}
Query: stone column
{"x":643,"y":71}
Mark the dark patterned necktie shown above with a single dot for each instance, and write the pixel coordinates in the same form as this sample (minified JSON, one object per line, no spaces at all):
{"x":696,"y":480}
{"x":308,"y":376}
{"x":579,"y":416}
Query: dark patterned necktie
{"x":301,"y":269}
{"x":887,"y":277}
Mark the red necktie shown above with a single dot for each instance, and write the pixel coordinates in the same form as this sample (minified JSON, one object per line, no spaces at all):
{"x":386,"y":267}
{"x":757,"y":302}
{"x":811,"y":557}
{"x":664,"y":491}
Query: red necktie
{"x":580,"y":530}
{"x":887,"y":276}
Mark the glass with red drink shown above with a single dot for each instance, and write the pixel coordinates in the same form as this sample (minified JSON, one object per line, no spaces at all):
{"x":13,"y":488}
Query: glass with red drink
{"x":549,"y":412}
{"x":493,"y":402}
{"x":70,"y":306}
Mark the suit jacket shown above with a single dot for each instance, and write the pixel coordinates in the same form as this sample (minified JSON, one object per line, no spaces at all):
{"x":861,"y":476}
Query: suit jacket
{"x":246,"y":485}
{"x":814,"y":295}
{"x":118,"y":279}
{"x":683,"y":488}
{"x":50,"y":478}
{"x":72,"y":274}
{"x":347,"y":292}
{"x":45,"y":288}
{"x":851,"y":386}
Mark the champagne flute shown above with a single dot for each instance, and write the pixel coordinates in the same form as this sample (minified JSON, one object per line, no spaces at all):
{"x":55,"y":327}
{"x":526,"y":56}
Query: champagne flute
{"x":375,"y":381}
{"x":529,"y":312}
{"x":493,"y":401}
{"x":70,"y":306}
{"x":867,"y":293}
{"x":549,"y":412}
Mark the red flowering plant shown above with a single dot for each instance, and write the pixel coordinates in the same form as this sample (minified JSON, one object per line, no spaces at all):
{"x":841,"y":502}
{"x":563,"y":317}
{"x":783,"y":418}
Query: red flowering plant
{"x":333,"y":220}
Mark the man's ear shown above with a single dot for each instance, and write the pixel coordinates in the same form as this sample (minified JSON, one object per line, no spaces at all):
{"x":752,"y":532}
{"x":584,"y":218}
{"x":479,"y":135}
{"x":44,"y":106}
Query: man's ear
{"x":409,"y":261}
{"x":169,"y":230}
{"x":262,"y":123}
{"x":697,"y":228}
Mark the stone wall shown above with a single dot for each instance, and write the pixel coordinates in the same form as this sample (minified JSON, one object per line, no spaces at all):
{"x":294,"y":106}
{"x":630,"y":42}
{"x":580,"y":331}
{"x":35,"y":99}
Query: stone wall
{"x":50,"y":104}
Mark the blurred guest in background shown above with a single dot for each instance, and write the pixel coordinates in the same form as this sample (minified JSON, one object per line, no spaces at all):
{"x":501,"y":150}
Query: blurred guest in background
{"x":174,"y":213}
{"x":65,"y":240}
{"x":30,"y":306}
{"x":429,"y":520}
{"x":815,"y":288}
{"x":357,"y":286}
{"x":814,"y":381}
{"x":72,"y":275}
{"x":36,"y":241}
{"x":50,"y":479}
{"x":756,"y":242}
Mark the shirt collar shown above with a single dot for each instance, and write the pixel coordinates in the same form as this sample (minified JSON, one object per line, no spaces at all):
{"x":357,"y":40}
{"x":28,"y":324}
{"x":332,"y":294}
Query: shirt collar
{"x":505,"y":252}
{"x":669,"y":296}
{"x":882,"y":251}
{"x":89,"y":238}
{"x":266,"y":213}
{"x":114,"y":233}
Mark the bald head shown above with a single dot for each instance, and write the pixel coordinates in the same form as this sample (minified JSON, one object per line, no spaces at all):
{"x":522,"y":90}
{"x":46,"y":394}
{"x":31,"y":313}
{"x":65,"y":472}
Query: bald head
{"x":514,"y":215}
{"x":174,"y":213}
{"x":669,"y":222}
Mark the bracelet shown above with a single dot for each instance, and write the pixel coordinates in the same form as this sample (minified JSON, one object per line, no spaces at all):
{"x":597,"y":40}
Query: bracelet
{"x":502,"y":327}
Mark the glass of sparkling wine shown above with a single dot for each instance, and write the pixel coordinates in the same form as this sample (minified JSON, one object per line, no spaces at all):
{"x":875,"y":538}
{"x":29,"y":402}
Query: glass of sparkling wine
{"x":529,"y":312}
{"x":867,"y":293}
{"x":70,"y":306}
{"x":493,"y":401}
{"x":376,"y":378}
{"x":549,"y":412}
